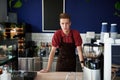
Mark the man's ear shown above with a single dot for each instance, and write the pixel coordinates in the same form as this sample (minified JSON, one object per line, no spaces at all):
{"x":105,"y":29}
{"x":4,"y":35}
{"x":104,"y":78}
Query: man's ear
{"x":70,"y":23}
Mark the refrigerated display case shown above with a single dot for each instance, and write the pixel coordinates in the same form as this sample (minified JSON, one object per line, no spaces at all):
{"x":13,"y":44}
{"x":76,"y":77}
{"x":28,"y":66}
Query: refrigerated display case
{"x":10,"y":54}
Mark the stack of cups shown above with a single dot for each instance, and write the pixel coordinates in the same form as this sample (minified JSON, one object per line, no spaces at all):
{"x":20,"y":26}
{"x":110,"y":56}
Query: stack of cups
{"x":113,"y":31}
{"x":104,"y":32}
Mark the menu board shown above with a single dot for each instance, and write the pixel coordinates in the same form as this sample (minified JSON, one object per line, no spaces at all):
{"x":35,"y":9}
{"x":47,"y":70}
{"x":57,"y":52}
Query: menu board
{"x":50,"y":14}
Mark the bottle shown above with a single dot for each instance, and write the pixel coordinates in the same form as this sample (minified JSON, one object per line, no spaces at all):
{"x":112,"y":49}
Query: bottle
{"x":47,"y":50}
{"x":5,"y":75}
{"x":104,"y":30}
{"x":113,"y":31}
{"x":1,"y":71}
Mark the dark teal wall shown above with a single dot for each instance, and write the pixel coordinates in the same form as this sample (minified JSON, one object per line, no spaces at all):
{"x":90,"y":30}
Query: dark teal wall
{"x":86,"y":15}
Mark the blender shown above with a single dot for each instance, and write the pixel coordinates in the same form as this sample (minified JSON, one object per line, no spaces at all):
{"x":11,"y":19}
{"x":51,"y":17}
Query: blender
{"x":92,"y":53}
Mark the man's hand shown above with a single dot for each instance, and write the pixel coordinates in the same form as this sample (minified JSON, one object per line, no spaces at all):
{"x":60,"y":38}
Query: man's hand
{"x":44,"y":71}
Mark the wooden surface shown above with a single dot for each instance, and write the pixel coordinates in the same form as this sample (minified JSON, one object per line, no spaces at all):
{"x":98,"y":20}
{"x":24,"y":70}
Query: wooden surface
{"x":59,"y":76}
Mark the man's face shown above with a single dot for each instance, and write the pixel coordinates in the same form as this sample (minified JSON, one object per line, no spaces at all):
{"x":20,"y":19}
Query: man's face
{"x":65,"y":24}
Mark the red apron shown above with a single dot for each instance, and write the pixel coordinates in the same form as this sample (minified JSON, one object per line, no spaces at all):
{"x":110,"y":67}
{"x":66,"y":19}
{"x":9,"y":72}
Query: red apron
{"x":67,"y":57}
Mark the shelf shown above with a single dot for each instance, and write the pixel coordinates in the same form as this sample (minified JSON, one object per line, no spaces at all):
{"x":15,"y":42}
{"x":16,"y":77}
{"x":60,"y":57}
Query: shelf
{"x":16,"y":32}
{"x":2,"y":62}
{"x":13,"y":28}
{"x":21,"y":40}
{"x":9,"y":42}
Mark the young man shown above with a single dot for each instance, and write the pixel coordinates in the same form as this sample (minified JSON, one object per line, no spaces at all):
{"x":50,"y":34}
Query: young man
{"x":67,"y":41}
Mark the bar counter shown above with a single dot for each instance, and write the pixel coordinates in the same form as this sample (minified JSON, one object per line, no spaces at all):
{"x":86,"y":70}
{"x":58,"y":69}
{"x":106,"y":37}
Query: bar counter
{"x":47,"y":76}
{"x":59,"y":76}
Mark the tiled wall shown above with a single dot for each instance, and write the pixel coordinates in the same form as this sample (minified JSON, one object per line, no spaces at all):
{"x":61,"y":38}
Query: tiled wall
{"x":39,"y":37}
{"x":44,"y":37}
{"x":47,"y":37}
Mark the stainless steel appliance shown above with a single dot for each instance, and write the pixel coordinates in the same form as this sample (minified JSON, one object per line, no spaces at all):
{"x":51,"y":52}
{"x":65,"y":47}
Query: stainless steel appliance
{"x":92,"y":69}
{"x":29,"y":63}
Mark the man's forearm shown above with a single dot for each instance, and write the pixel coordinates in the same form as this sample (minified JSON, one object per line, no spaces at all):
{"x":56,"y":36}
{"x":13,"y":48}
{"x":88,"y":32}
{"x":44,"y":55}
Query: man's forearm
{"x":50,"y":60}
{"x":81,"y":58}
{"x":51,"y":57}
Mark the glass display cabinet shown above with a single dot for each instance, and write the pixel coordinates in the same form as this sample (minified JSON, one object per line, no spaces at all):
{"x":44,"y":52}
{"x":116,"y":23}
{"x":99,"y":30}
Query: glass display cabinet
{"x":9,"y":53}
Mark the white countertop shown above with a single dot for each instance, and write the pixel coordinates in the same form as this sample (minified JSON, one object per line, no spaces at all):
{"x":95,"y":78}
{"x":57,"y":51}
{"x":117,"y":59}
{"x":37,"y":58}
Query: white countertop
{"x":59,"y":76}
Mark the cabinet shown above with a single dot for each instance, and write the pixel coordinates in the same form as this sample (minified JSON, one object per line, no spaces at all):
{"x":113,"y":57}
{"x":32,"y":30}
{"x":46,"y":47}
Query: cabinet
{"x":3,"y":10}
{"x":11,"y":53}
{"x":53,"y":67}
{"x":45,"y":62}
{"x":29,"y":63}
{"x":16,"y":31}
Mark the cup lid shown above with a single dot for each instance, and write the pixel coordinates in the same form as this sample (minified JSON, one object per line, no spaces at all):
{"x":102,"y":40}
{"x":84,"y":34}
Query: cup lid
{"x":104,"y":23}
{"x":114,"y":24}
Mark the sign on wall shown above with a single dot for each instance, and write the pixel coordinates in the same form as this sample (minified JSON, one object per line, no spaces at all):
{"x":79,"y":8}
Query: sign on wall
{"x":50,"y":14}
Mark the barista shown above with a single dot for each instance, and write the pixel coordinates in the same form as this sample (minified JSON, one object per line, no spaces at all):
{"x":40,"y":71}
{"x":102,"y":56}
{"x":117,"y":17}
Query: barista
{"x":67,"y":40}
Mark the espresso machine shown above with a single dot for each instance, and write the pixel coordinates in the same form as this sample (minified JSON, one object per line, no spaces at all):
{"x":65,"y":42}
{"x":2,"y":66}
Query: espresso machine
{"x":92,"y":53}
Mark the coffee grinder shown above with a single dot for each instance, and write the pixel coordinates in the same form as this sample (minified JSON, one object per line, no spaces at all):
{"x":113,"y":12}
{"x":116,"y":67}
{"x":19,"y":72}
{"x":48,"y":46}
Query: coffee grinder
{"x":92,"y":69}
